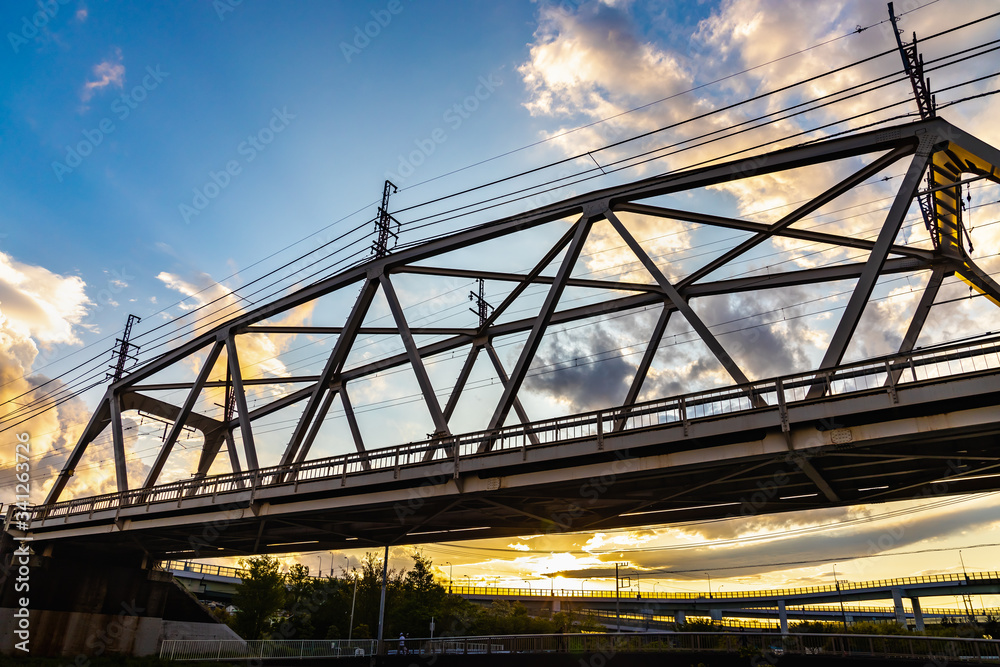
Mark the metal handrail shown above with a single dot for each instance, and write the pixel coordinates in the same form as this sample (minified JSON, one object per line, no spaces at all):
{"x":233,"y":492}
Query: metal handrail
{"x":610,"y":644}
{"x":707,"y":404}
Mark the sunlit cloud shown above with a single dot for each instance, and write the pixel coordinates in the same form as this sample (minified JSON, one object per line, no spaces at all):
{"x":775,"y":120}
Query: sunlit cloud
{"x":110,"y":72}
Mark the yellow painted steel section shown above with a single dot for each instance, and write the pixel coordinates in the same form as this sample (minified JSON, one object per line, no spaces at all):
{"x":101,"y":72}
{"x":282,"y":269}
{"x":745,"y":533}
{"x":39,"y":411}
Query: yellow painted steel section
{"x":948,"y":166}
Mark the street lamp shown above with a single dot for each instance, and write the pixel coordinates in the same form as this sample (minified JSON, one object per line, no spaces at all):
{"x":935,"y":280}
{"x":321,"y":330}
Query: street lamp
{"x":320,"y":573}
{"x":354,"y":599}
{"x":709,"y":585}
{"x":448,"y":563}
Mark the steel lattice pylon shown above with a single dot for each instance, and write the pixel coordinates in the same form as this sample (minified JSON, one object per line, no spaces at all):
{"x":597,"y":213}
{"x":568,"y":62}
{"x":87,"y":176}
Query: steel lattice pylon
{"x":931,"y":144}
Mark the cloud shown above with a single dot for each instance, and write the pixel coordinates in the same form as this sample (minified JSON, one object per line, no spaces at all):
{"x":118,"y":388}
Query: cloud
{"x":259,"y":356}
{"x":110,"y":72}
{"x":40,"y":310}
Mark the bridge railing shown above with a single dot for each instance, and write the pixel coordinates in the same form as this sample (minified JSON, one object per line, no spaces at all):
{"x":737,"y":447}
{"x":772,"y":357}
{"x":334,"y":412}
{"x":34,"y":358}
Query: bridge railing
{"x":263,"y":649}
{"x":882,"y":374}
{"x":564,"y":593}
{"x":608,"y":644}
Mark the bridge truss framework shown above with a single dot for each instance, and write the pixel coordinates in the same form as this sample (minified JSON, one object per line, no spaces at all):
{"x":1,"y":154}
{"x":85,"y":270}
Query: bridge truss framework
{"x":951,"y":157}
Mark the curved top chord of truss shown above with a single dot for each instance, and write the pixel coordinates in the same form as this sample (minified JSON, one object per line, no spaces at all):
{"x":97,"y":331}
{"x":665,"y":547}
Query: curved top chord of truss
{"x":932,"y":144}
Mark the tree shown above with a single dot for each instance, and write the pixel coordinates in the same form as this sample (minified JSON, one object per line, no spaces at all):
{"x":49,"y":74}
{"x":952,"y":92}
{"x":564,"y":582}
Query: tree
{"x":259,"y":596}
{"x":420,"y":599}
{"x":302,"y":593}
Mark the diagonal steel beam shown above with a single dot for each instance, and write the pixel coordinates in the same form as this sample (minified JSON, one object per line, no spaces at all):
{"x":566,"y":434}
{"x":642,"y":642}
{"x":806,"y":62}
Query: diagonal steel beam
{"x":812,"y":205}
{"x":246,"y":431}
{"x":532,"y":275}
{"x":98,"y":421}
{"x":179,"y":422}
{"x":423,"y":380}
{"x":334,"y":364}
{"x":873,"y":267}
{"x":456,"y":392}
{"x":922,"y":309}
{"x":647,"y":360}
{"x":504,"y":379}
{"x":463,"y":377}
{"x":307,"y":442}
{"x":679,"y":302}
{"x":118,"y":443}
{"x":541,"y":322}
{"x":352,"y":422}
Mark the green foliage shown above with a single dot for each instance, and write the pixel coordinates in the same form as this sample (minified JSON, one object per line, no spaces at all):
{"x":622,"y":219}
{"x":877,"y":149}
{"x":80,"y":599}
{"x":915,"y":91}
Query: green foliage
{"x":259,"y":596}
{"x":698,"y":626}
{"x":296,"y":606}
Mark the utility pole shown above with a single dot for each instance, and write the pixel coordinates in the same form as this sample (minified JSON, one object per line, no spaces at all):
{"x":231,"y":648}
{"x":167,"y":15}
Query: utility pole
{"x":481,"y":304}
{"x":913,"y":65}
{"x":124,"y":352}
{"x":966,"y":598}
{"x":381,"y":604}
{"x":383,"y":223}
{"x":618,"y":610}
{"x":840,"y":595}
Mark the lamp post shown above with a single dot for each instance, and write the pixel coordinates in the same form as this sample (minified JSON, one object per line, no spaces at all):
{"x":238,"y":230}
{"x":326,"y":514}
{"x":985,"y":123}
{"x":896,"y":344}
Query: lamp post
{"x":354,"y":599}
{"x":448,"y":563}
{"x":320,"y":573}
{"x":709,"y":585}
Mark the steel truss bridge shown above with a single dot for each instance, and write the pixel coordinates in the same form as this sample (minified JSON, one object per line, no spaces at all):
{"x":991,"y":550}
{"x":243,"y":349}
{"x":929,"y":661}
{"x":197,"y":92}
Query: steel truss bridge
{"x":918,"y":422}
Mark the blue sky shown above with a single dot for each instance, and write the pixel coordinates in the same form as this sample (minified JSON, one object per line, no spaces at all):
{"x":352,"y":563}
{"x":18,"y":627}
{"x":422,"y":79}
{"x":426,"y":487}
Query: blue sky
{"x":150,"y":150}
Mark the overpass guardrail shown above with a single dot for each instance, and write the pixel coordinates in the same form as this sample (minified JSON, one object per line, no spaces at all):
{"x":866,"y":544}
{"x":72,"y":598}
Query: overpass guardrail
{"x":564,"y":593}
{"x":881,"y":374}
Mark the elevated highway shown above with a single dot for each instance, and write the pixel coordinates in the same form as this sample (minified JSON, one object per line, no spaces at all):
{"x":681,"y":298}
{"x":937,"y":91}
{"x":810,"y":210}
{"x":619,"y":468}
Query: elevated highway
{"x":836,"y":603}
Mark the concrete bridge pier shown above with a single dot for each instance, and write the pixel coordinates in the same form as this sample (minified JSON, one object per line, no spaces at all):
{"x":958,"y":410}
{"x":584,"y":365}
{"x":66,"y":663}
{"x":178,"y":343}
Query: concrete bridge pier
{"x":897,"y":603}
{"x":783,"y":617}
{"x":93,"y":603}
{"x":918,"y":614}
{"x":679,"y":617}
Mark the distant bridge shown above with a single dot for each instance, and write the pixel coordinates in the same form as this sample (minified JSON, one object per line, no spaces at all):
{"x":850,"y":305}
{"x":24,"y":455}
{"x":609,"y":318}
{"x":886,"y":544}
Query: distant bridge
{"x":643,"y":608}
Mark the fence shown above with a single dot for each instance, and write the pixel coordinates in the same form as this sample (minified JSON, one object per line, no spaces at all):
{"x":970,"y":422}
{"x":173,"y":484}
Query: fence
{"x":746,"y":643}
{"x":263,"y":649}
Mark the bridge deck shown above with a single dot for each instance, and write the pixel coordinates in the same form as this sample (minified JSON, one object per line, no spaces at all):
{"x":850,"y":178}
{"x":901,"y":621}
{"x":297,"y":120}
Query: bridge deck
{"x":891,"y":428}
